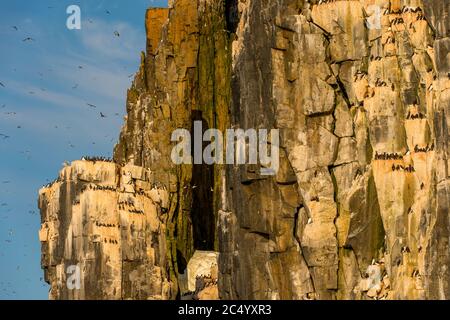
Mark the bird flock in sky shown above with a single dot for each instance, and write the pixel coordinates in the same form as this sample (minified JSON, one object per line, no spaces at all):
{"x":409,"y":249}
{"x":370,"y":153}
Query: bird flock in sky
{"x":7,"y":288}
{"x":75,"y":86}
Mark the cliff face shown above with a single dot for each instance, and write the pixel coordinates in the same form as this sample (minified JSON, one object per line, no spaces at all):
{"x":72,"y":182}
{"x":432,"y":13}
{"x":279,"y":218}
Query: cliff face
{"x":108,"y":220}
{"x":360,"y":206}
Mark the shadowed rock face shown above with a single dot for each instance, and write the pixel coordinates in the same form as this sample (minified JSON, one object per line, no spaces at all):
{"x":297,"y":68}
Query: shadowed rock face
{"x":360,"y":206}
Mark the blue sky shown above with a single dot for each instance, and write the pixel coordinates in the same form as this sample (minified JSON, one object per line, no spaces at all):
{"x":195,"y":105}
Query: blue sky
{"x":44,"y":114}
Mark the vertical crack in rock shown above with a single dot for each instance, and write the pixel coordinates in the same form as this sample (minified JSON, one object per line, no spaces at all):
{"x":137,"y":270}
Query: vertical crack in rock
{"x":202,"y":211}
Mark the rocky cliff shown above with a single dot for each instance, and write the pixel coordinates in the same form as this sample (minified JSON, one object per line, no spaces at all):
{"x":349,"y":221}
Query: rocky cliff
{"x":359,"y":209}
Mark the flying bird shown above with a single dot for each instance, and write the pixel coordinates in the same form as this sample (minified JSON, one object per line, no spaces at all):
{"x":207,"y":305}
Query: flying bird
{"x":91,"y":105}
{"x":1,"y":84}
{"x":102,"y":115}
{"x":27,"y":39}
{"x":4,"y":136}
{"x":116,"y":33}
{"x":15,"y":28}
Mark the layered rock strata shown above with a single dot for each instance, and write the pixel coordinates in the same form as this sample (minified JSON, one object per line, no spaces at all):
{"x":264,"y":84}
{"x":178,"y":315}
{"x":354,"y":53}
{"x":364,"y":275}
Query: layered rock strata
{"x":105,"y":224}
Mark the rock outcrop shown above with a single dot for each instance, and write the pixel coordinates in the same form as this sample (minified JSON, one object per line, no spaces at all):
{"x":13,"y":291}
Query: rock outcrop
{"x":359,"y":209}
{"x":110,"y":222}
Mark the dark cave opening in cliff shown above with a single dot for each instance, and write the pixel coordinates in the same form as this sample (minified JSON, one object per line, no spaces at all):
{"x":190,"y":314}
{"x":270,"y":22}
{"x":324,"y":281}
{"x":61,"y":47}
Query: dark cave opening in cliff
{"x":181,"y":261}
{"x":202,"y":183}
{"x":232,"y":15}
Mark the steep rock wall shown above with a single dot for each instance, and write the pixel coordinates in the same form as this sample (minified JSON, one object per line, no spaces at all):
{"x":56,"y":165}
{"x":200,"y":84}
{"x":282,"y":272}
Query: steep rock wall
{"x":110,"y":222}
{"x":363,"y":115}
{"x":359,"y":207}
